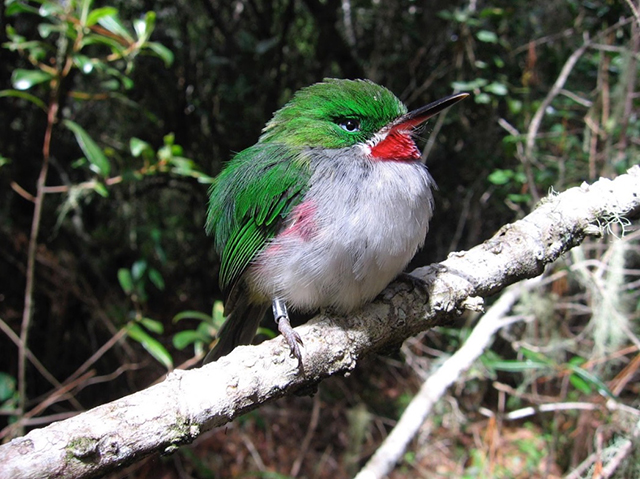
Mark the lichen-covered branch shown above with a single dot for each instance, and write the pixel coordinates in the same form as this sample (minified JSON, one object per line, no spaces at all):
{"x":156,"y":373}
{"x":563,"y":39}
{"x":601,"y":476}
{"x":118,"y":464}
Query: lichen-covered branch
{"x":176,"y":411}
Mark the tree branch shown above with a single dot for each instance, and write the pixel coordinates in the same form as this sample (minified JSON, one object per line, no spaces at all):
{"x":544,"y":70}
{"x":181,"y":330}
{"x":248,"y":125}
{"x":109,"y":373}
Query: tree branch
{"x":176,"y":411}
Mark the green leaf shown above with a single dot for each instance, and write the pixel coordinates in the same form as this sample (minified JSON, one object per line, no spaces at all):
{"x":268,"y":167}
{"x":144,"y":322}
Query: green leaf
{"x":191,"y":315}
{"x":93,"y":38}
{"x":269,"y":333}
{"x":138,"y":147}
{"x":537,"y":357}
{"x":487,"y":36}
{"x":125,"y":280}
{"x":152,"y":345}
{"x":580,"y":384}
{"x":46,"y":29}
{"x":111,"y":85}
{"x":217,"y":312}
{"x":101,"y":189}
{"x":515,"y":106}
{"x":7,"y":387}
{"x":489,"y":12}
{"x":127,"y":82}
{"x":4,"y":161}
{"x":482,"y":98}
{"x":14,"y":8}
{"x":144,"y":27}
{"x":264,"y":46}
{"x":84,"y":63}
{"x":84,"y":11}
{"x":207,"y":330}
{"x":519,"y":198}
{"x":114,"y":25}
{"x":169,"y":139}
{"x":203,"y":178}
{"x":182,"y":163}
{"x":92,"y":151}
{"x":152,"y":325}
{"x":25,"y":79}
{"x":50,"y":9}
{"x":500,"y":177}
{"x":25,"y":96}
{"x":99,"y":13}
{"x":156,"y":278}
{"x":161,"y":51}
{"x":497,"y":88}
{"x":592,"y":379}
{"x":138,"y":269}
{"x":184,"y":338}
{"x":470,"y":85}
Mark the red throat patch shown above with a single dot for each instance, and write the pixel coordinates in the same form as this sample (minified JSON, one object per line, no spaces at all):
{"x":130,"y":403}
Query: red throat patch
{"x":397,"y":145}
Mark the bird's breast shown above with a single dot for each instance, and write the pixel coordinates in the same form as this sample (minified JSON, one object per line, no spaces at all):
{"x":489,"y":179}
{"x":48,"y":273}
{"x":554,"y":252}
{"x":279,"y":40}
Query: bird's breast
{"x":359,"y":224}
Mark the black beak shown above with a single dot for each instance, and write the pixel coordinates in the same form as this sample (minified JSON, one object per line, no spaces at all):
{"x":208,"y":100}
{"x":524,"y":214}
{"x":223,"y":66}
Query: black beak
{"x":416,"y":117}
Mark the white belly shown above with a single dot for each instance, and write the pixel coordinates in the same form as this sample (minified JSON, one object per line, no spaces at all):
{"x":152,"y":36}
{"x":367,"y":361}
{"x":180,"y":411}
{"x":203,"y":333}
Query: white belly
{"x":358,"y":227}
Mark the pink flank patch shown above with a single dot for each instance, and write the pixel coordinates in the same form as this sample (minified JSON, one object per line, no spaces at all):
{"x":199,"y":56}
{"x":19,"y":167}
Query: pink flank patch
{"x":398,"y":145}
{"x":301,"y":226}
{"x":301,"y":220}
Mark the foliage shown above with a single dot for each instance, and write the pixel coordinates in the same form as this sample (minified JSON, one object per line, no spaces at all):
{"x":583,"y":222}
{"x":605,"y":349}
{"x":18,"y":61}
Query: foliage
{"x":87,"y":55}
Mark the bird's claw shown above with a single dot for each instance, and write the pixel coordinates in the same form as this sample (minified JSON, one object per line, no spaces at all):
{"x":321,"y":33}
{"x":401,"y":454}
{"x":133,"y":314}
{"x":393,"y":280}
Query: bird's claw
{"x":415,"y":283}
{"x":292,"y":338}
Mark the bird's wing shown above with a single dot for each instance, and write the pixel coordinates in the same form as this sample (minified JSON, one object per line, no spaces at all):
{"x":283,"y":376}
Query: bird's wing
{"x":249,"y":201}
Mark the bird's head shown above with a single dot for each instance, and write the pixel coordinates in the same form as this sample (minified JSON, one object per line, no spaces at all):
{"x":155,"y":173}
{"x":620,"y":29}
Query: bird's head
{"x":344,"y":113}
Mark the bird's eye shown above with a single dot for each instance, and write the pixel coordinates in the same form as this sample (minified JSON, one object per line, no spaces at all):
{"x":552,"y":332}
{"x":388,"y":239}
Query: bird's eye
{"x":349,"y":124}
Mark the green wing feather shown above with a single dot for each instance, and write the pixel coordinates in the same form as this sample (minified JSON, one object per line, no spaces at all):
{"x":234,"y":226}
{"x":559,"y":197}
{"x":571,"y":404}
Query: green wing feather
{"x":249,"y":200}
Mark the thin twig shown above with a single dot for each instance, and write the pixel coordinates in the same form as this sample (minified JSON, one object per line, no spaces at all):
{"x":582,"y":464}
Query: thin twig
{"x":432,"y":137}
{"x":22,"y":192}
{"x":253,"y":451}
{"x":542,"y":40}
{"x":634,"y":10}
{"x":98,"y":354}
{"x":30,"y":356}
{"x":313,"y":424}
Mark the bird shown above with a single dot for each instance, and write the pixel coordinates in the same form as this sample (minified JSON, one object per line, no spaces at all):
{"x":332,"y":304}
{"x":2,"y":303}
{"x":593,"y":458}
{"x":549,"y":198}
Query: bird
{"x":324,"y":211}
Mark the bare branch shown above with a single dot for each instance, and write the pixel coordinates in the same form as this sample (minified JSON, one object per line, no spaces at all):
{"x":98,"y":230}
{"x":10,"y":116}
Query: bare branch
{"x":176,"y":411}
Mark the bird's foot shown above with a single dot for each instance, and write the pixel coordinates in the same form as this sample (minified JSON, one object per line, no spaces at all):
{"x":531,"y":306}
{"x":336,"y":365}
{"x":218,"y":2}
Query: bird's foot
{"x":415,"y":283}
{"x":293,"y":339}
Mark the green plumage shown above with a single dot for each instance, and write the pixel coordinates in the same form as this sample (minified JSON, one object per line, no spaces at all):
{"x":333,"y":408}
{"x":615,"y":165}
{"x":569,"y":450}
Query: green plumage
{"x":312,"y":116}
{"x":249,"y":199}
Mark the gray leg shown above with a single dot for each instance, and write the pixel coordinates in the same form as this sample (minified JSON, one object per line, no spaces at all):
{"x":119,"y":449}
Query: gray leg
{"x":284,"y":326}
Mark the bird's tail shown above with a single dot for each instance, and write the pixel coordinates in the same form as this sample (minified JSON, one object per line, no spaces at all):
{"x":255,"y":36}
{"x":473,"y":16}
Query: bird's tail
{"x":239,"y":328}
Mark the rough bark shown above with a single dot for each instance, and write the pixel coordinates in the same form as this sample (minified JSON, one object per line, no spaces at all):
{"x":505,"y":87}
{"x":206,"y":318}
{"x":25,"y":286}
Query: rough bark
{"x":176,"y":411}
